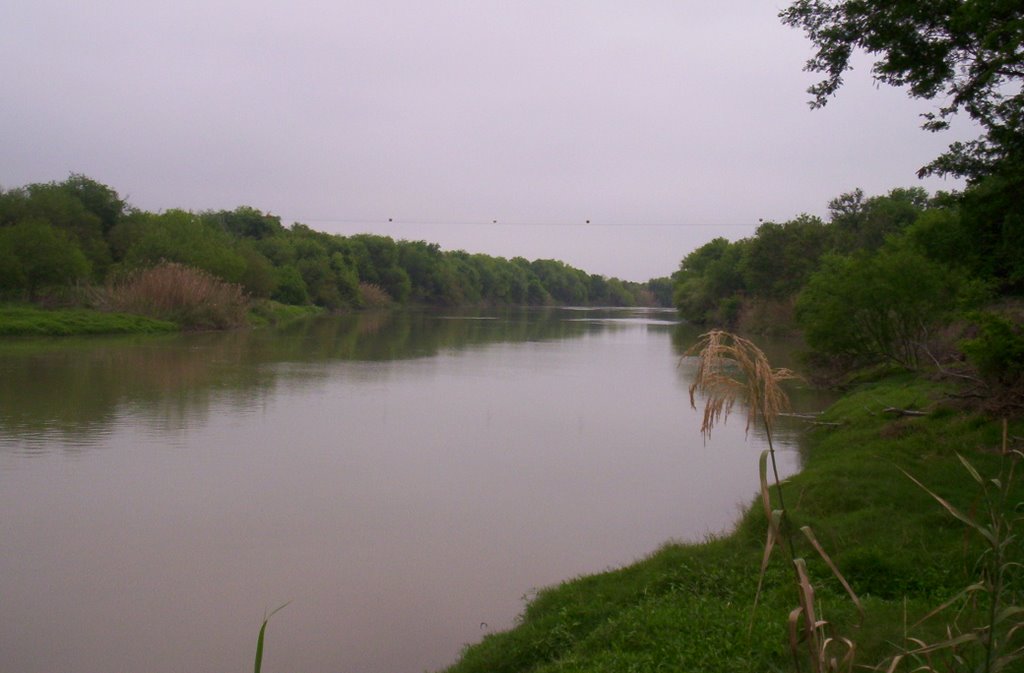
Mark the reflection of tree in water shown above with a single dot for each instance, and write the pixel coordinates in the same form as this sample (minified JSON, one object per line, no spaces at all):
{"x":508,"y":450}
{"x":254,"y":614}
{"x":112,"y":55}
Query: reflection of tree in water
{"x":74,"y":391}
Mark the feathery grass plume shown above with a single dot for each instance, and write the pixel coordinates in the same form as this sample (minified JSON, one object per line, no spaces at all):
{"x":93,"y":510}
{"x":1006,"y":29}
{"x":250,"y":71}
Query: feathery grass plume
{"x":731,"y":368}
{"x":721,"y":357}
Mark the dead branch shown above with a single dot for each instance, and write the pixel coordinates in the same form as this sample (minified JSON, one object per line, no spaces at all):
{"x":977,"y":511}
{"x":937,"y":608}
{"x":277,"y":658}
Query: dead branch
{"x":903,"y":412}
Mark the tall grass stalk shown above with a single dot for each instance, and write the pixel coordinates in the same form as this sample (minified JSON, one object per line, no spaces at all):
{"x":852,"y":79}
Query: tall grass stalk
{"x":259,"y":640}
{"x":994,"y":638}
{"x":730,"y":369}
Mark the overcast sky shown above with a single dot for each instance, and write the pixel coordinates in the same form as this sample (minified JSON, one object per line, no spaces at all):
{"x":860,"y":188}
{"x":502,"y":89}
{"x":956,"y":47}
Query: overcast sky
{"x":663,"y":123}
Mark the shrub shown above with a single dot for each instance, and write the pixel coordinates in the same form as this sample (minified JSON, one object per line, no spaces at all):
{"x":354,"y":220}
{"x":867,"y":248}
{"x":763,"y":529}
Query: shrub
{"x":289,"y":288}
{"x":374,"y":296}
{"x":188,"y":296}
{"x":34,"y":255}
{"x":877,"y":307}
{"x":998,"y":350}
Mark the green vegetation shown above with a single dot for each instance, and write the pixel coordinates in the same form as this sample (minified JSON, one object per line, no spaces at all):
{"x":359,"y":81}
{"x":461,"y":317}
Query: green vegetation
{"x":259,"y":640}
{"x":903,"y":255}
{"x":966,"y":53}
{"x":885,"y":273}
{"x":32,"y":321}
{"x":269,"y":312}
{"x":57,"y":238}
{"x":691,"y":607}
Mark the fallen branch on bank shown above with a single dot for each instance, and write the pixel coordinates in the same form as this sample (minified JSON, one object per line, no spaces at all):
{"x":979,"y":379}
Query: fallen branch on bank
{"x":896,"y":411}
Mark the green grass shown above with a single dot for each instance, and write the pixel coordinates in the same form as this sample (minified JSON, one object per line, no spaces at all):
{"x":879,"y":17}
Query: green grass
{"x":30,"y":321}
{"x":689,"y":607}
{"x":20,"y":320}
{"x":266,"y":312}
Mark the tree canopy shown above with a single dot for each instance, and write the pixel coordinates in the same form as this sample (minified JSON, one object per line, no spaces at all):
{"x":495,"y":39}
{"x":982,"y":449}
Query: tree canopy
{"x":53,"y":235}
{"x":967,"y":53}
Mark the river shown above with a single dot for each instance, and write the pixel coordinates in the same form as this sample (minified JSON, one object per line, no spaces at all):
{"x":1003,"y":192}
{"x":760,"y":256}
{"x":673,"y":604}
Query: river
{"x":403,"y":481}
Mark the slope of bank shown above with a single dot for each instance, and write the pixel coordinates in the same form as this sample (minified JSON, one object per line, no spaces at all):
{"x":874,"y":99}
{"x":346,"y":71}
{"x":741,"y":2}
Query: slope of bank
{"x":32,"y":321}
{"x":691,"y":607}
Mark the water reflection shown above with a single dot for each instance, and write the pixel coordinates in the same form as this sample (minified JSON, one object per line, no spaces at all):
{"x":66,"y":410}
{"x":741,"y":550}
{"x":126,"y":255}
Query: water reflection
{"x":73,"y":390}
{"x":400,"y":477}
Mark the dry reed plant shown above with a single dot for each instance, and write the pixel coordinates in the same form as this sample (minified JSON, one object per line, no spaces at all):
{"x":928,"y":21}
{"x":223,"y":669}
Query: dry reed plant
{"x":373,"y":295}
{"x":730,"y":369}
{"x":721,"y":357}
{"x":188,"y":296}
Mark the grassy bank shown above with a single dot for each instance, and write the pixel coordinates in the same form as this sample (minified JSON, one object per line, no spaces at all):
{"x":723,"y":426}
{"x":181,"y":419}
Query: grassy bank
{"x":22,"y":321}
{"x":265,"y":313}
{"x":31,"y":321}
{"x":691,"y":607}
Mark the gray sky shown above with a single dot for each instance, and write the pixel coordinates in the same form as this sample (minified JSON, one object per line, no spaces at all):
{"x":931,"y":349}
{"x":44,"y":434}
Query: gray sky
{"x":664,"y":124}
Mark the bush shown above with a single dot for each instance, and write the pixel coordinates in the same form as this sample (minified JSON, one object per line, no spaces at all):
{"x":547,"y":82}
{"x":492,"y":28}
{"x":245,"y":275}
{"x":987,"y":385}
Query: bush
{"x":34,"y":255}
{"x":374,"y":296}
{"x":875,"y":307}
{"x":190,"y":297}
{"x":998,"y":350}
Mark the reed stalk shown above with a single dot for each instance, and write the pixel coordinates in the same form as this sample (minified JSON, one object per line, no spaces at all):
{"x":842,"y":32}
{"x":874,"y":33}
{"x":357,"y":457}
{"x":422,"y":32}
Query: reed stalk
{"x":730,"y":369}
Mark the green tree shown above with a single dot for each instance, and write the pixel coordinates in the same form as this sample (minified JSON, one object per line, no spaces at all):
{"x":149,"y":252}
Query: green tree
{"x":780,"y":257}
{"x":566,"y":285}
{"x":60,"y":206}
{"x":875,"y":307}
{"x":34,"y":254}
{"x":661,"y":288}
{"x":258,"y":278}
{"x":707,"y":279}
{"x":376,"y":259}
{"x":864,"y":224}
{"x":97,"y":198}
{"x":992,"y":211}
{"x":967,"y":52}
{"x":289,"y":287}
{"x":180,"y":236}
{"x":246,"y":222}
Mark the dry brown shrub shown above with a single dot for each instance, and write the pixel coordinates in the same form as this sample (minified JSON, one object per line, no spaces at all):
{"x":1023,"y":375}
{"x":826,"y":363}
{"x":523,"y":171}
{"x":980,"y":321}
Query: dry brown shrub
{"x":374,"y":296}
{"x":188,"y":296}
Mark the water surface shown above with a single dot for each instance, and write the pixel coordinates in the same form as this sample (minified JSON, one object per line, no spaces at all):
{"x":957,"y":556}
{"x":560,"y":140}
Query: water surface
{"x":405,"y":480}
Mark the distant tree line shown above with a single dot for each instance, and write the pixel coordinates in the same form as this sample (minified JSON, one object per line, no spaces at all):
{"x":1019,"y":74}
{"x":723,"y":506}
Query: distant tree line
{"x":79,"y":231}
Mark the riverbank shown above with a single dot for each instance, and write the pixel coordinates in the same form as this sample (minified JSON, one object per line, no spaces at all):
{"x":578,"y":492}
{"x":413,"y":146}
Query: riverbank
{"x":28,"y":321}
{"x":691,"y":607}
{"x":32,"y":321}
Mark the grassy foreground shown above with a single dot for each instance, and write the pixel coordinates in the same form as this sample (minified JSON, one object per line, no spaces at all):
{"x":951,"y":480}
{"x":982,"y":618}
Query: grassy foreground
{"x":691,"y":607}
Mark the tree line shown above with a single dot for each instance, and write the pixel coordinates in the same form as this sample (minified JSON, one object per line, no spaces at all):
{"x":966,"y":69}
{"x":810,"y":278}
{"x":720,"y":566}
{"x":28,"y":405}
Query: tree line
{"x":79,"y":231}
{"x":870,"y":282}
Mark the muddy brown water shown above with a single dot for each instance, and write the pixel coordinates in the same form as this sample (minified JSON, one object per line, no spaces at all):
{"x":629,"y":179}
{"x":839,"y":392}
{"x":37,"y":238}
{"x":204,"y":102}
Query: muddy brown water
{"x":405,"y":480}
